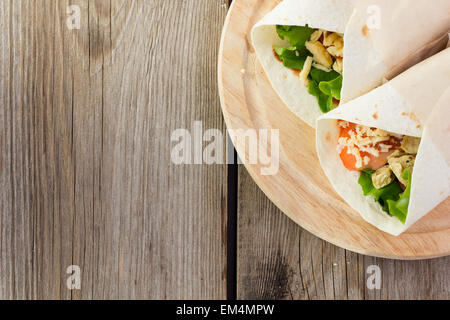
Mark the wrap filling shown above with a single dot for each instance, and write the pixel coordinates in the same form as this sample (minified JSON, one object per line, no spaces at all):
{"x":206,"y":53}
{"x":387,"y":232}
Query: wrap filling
{"x":316,"y":56}
{"x":385,"y":161}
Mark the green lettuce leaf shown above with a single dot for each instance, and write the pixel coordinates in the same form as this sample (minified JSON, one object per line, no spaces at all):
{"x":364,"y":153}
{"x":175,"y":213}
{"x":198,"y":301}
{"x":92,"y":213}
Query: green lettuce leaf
{"x":293,"y":57}
{"x":297,"y":36}
{"x":290,"y":58}
{"x":332,"y":88}
{"x":325,"y":102}
{"x":325,"y":86}
{"x":382,"y":196}
{"x":399,"y":208}
{"x":320,"y":75}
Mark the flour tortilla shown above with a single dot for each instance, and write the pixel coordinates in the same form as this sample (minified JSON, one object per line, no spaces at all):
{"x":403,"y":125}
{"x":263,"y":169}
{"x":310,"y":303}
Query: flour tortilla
{"x":416,"y":103}
{"x":408,"y":34}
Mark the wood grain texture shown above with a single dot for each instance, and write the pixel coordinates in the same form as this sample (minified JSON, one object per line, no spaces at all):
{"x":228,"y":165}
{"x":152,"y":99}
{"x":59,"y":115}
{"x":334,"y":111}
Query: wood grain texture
{"x":85,"y":173}
{"x":279,"y":260}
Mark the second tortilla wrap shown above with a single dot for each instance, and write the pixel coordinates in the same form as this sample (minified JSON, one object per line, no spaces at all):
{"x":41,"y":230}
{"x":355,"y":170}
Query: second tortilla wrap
{"x":414,"y":104}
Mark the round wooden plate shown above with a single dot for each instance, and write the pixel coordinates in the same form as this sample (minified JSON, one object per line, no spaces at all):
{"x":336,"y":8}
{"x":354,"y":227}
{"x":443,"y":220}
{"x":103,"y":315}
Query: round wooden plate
{"x":300,"y":188}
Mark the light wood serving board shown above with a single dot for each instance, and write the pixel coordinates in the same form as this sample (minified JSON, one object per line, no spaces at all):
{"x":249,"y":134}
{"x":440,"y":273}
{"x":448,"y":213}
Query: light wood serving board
{"x":300,"y":188}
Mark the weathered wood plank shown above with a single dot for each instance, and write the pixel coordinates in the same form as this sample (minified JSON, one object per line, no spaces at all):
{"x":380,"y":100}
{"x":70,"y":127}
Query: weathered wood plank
{"x":267,"y":267}
{"x":85,"y":169}
{"x":277,"y":259}
{"x":6,"y":221}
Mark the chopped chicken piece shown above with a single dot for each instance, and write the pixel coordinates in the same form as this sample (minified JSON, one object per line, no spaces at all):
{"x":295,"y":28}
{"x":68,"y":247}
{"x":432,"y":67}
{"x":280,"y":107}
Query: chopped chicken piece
{"x":316,"y":35}
{"x":305,"y":71}
{"x":383,"y":177}
{"x":410,"y":145}
{"x":320,"y":54}
{"x":335,"y":51}
{"x":398,"y":166}
{"x":338,"y":65}
{"x":396,"y":154}
{"x":339,"y":43}
{"x":330,"y":38}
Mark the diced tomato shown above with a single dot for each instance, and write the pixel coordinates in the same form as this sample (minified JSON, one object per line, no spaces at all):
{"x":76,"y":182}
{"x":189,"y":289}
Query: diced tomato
{"x":345,"y":131}
{"x":349,"y":160}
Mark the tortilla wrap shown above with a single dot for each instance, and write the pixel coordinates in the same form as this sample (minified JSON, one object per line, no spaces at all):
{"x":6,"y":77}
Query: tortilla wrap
{"x":406,"y":34}
{"x":414,"y":104}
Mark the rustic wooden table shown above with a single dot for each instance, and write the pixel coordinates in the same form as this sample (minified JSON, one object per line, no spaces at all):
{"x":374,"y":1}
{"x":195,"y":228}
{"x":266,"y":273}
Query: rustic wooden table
{"x":86,"y":178}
